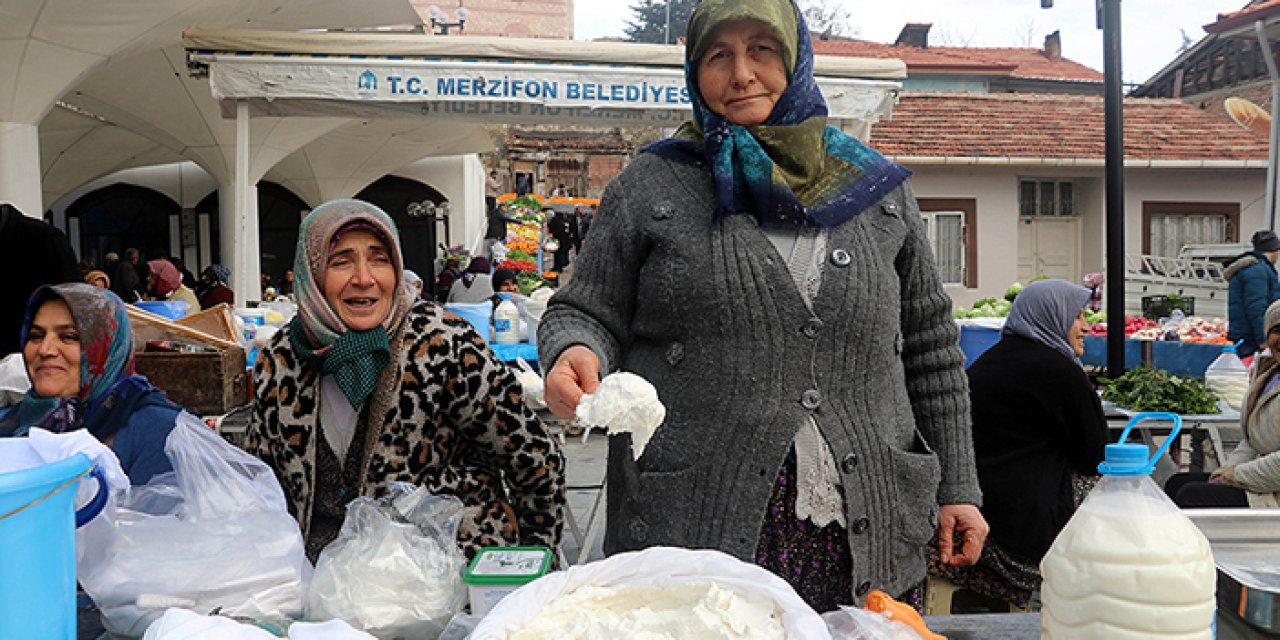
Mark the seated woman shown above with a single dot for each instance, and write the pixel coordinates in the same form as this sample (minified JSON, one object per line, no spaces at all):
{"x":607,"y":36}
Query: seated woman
{"x":475,"y":284}
{"x":1250,"y":477}
{"x":1038,"y":435}
{"x":78,"y":349}
{"x":164,"y":283}
{"x":369,"y":386}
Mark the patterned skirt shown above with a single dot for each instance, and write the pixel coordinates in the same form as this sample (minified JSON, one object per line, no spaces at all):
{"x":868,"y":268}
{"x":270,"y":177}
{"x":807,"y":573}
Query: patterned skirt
{"x":999,"y":574}
{"x":815,"y":560}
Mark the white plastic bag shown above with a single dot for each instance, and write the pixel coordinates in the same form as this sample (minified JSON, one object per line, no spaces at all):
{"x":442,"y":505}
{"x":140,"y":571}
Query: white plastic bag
{"x":13,"y":379}
{"x":624,"y":403}
{"x":395,"y":569}
{"x":214,"y":534}
{"x":654,"y":566}
{"x":534,"y":388}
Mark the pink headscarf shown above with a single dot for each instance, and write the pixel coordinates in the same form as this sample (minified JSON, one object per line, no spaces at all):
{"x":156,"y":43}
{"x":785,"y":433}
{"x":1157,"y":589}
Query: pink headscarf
{"x":167,"y":277}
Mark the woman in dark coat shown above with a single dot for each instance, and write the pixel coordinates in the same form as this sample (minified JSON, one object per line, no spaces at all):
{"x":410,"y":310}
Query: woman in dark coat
{"x":1038,"y":434}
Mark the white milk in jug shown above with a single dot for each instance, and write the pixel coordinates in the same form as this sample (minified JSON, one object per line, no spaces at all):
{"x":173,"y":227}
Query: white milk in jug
{"x":1128,"y":564}
{"x":506,"y":321}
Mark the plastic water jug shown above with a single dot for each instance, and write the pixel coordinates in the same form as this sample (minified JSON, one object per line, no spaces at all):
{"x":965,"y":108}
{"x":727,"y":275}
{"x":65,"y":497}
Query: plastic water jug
{"x":506,"y":321}
{"x":38,"y":520}
{"x":1129,"y":564}
{"x":1228,"y":378}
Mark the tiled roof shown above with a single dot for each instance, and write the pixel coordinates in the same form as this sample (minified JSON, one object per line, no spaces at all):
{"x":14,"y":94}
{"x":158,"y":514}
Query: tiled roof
{"x":1255,"y":11}
{"x":1055,"y":126}
{"x":1025,"y":62}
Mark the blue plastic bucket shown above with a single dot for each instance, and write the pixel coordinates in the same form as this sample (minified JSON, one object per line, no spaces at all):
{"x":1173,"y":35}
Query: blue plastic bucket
{"x":38,"y":521}
{"x":171,"y":309}
{"x":974,"y":341}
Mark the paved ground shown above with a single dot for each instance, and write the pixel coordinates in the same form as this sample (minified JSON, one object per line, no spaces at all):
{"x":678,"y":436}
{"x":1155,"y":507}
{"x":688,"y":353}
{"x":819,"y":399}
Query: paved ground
{"x":584,"y":466}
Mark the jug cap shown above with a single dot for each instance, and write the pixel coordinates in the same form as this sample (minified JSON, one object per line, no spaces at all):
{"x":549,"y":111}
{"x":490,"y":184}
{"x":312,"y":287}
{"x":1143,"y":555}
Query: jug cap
{"x":1231,"y":348}
{"x":505,"y":295}
{"x":1131,"y":459}
{"x":1125,"y":460}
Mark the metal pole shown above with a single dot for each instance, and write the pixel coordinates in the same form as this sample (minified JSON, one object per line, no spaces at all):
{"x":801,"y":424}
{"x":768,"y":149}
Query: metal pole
{"x":1114,"y":116}
{"x":666,"y":35}
{"x":1270,"y":211}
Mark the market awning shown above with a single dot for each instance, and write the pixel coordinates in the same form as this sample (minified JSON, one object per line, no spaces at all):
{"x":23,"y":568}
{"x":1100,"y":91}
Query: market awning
{"x":489,"y":80}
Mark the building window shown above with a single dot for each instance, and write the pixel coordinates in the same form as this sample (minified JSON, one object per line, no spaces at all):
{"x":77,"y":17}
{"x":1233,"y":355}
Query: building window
{"x":1169,"y":226}
{"x":1046,"y":197}
{"x":952,"y":229}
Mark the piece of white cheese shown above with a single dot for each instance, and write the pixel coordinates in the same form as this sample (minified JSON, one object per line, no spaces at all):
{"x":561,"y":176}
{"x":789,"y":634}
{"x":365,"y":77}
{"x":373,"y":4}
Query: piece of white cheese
{"x":624,"y":403}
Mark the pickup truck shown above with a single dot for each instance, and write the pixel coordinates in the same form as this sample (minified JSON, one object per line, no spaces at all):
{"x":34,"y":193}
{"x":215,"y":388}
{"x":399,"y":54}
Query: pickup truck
{"x":1197,"y":272}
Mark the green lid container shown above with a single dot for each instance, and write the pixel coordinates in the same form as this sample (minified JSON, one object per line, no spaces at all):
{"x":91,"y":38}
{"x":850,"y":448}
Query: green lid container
{"x":508,"y":566}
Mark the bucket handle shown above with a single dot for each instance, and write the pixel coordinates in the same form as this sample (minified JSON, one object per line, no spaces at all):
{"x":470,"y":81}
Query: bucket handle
{"x":95,"y":506}
{"x":1164,"y":446}
{"x":86,"y":513}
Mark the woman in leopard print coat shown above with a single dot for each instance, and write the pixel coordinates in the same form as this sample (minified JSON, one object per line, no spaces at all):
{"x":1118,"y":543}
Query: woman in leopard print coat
{"x":368,"y":386}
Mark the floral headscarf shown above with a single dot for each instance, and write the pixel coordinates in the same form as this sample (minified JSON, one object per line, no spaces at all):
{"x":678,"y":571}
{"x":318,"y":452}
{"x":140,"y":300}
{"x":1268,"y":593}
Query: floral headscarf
{"x":317,"y":333}
{"x":109,"y":389}
{"x":793,"y":170}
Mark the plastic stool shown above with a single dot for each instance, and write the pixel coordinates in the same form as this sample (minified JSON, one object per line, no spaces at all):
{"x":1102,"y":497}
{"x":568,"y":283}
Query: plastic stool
{"x":940,"y":596}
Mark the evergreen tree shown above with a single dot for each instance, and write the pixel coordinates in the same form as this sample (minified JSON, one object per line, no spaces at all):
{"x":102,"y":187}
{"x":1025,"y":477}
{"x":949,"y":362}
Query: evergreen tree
{"x":649,"y":20}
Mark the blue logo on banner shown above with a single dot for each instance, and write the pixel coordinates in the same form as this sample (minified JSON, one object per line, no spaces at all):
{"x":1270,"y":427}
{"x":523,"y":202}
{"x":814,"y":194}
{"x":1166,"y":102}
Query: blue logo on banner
{"x":367,"y":82}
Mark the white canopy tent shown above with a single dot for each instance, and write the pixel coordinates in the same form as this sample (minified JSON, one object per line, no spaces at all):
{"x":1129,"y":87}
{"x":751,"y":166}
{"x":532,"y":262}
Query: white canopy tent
{"x":47,"y":47}
{"x":477,"y":80}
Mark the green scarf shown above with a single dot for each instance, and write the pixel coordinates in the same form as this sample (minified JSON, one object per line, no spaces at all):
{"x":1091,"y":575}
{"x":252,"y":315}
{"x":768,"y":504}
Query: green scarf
{"x":354,"y":360}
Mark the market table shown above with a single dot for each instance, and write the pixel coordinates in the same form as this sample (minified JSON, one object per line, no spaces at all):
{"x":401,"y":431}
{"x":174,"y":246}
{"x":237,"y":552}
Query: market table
{"x":1179,"y":358}
{"x":1222,"y":428}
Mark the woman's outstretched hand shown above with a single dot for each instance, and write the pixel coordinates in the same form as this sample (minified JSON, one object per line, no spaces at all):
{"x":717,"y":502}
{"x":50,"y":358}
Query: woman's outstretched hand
{"x":576,"y":371}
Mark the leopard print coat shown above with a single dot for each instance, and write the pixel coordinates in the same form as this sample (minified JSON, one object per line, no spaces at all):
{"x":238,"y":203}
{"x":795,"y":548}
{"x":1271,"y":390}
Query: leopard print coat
{"x":447,"y":415}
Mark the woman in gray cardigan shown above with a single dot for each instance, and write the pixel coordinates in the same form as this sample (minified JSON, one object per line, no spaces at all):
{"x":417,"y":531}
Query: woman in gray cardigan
{"x":772,"y":278}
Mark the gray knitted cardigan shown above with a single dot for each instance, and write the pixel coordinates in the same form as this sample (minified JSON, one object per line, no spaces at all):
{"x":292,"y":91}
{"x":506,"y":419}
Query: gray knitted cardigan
{"x":712,"y":317}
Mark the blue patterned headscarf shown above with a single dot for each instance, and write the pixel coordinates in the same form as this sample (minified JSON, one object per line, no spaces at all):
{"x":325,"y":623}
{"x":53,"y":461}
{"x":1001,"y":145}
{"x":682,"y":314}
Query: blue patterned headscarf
{"x":109,"y":390}
{"x":794,"y":170}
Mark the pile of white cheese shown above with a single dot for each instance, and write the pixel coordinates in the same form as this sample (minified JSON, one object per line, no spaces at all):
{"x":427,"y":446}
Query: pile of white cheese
{"x":671,"y":611}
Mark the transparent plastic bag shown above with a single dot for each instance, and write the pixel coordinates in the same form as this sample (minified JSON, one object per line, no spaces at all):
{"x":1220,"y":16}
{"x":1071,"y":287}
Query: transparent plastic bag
{"x":213,"y":534}
{"x":395,"y":570}
{"x":852,"y":623}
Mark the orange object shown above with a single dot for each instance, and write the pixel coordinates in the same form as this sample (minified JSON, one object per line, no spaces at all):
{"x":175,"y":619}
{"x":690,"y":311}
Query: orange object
{"x":880,"y":602}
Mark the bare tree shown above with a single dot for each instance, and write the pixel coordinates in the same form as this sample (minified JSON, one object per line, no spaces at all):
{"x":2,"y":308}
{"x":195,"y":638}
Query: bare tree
{"x":1025,"y":34}
{"x":828,"y":17}
{"x":947,"y":36}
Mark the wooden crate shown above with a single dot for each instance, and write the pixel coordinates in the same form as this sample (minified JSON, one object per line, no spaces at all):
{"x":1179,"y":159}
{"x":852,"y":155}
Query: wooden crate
{"x":207,"y":383}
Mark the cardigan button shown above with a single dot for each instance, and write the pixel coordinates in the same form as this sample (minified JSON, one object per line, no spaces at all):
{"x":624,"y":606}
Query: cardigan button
{"x":639,"y":530}
{"x":863,"y":589}
{"x":891,"y":208}
{"x":849,"y":463}
{"x":810,"y":399}
{"x":860,"y":525}
{"x":812,"y":327}
{"x":841,"y":258}
{"x":662,"y":212}
{"x":675,"y":353}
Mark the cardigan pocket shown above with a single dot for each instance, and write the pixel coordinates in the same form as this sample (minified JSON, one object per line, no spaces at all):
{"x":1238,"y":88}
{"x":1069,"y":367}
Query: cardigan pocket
{"x":658,"y":511}
{"x":916,"y":479}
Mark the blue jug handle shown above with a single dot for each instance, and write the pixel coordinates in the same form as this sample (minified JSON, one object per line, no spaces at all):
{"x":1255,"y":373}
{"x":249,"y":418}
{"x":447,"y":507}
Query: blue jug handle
{"x":1155,"y":415}
{"x":95,"y":506}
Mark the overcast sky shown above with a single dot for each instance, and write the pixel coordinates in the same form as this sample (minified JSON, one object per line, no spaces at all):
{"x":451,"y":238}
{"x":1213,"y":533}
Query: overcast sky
{"x":1151,"y":28}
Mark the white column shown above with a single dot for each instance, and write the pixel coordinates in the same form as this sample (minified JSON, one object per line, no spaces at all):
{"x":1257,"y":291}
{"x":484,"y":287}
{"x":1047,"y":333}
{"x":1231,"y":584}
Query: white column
{"x":243,"y":250}
{"x":20,"y":167}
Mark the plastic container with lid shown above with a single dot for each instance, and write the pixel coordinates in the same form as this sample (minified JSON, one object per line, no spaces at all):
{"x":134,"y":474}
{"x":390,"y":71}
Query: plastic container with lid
{"x":495,"y":572}
{"x":1228,"y":378}
{"x":506,"y":321}
{"x":1129,"y":564}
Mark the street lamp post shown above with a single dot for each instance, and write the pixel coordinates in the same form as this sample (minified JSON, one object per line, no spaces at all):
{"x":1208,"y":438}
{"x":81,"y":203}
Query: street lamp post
{"x":440,"y":19}
{"x":1108,"y":19}
{"x":666,"y":34}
